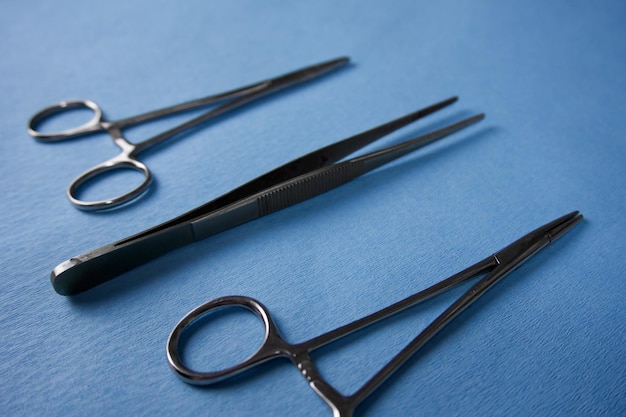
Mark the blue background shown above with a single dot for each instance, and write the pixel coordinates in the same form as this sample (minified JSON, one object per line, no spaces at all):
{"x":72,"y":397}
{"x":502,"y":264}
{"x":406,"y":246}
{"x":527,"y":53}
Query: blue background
{"x":551,"y":76}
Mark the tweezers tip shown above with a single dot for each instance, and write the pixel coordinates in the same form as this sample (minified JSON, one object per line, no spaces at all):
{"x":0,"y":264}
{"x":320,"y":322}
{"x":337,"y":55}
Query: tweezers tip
{"x":340,"y":60}
{"x":448,"y":101}
{"x":474,"y":119}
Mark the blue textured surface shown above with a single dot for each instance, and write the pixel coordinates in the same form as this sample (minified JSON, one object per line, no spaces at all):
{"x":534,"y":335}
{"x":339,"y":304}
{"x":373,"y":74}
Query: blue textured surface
{"x":551,"y":76}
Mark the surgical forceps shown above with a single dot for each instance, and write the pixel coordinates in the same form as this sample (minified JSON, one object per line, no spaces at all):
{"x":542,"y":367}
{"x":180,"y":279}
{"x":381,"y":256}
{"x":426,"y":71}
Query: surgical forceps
{"x":274,"y":346}
{"x":294,"y":182}
{"x":127,"y":158}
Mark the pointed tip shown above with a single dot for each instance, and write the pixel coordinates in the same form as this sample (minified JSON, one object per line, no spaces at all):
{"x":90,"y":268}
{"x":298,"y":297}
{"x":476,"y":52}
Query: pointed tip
{"x":329,"y":65}
{"x":448,"y":101}
{"x":563,"y":224}
{"x":436,"y":107}
{"x":342,"y":60}
{"x":469,"y":121}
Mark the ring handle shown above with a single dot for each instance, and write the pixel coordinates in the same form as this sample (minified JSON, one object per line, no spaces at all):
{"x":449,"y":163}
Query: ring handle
{"x":272,"y":345}
{"x":93,"y":125}
{"x":119,"y":162}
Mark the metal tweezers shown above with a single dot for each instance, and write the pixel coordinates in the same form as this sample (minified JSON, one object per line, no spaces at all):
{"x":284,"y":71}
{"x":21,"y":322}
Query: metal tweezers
{"x":289,"y":184}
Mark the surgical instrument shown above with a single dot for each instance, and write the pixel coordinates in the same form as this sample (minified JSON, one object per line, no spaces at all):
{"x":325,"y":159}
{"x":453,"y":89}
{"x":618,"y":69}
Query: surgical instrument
{"x":291,"y":183}
{"x":497,"y":266}
{"x":127,"y":158}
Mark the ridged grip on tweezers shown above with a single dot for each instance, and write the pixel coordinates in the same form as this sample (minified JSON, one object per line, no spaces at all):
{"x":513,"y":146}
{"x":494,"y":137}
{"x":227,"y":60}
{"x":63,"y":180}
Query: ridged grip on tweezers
{"x":277,"y":198}
{"x":307,"y":186}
